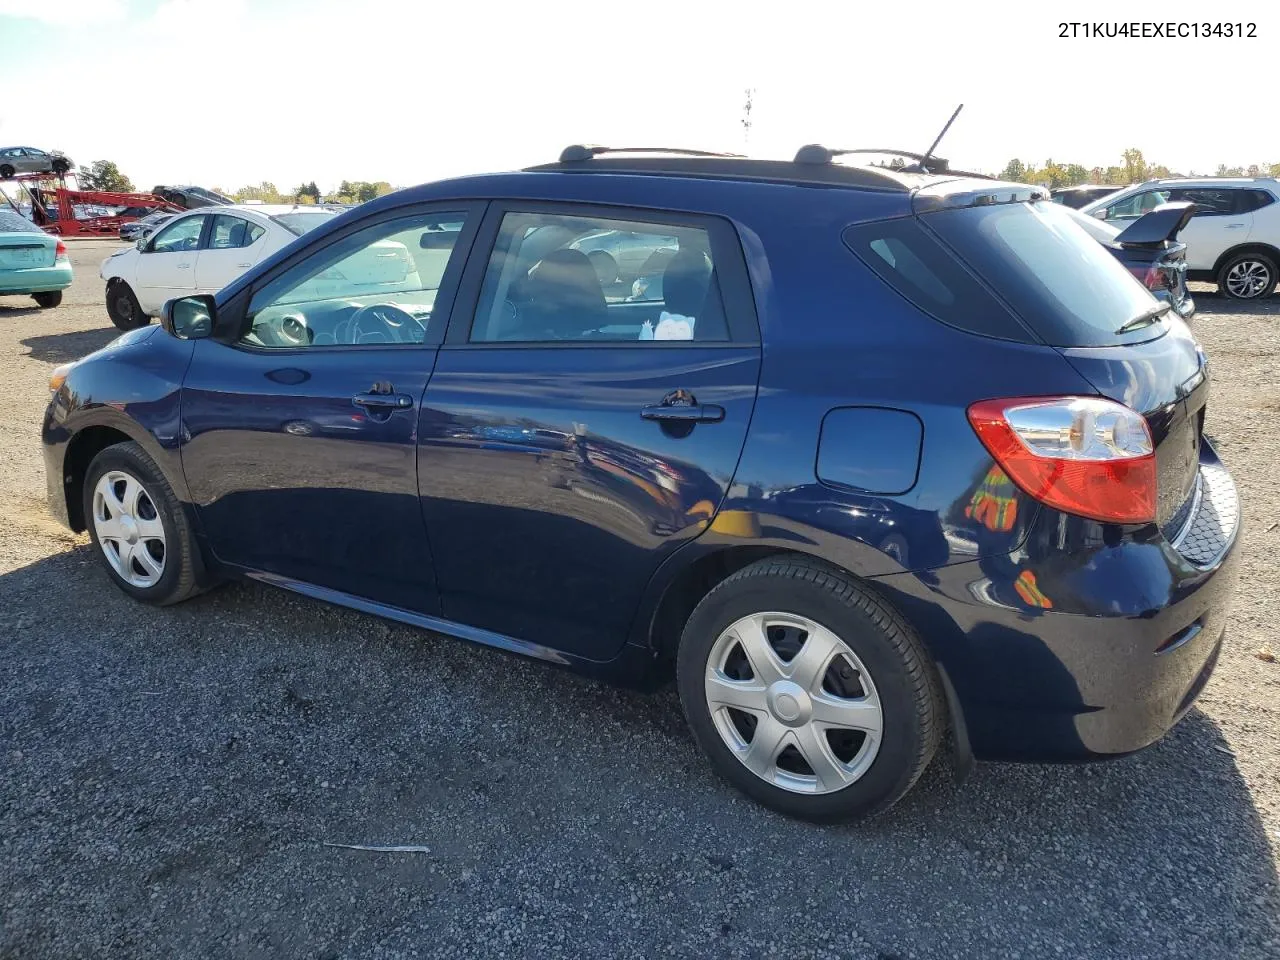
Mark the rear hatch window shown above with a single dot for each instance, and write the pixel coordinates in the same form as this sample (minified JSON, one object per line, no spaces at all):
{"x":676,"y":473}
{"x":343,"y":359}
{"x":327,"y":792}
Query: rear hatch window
{"x":1024,"y":271}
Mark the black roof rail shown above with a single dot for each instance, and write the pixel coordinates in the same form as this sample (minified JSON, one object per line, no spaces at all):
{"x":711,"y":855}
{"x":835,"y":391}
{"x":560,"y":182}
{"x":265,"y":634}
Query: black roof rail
{"x":582,"y":151}
{"x":817,"y":155}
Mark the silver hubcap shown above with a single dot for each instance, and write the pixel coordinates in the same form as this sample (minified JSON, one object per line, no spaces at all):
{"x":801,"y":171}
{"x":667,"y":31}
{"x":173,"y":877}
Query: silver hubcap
{"x":129,"y":529}
{"x":794,"y":703}
{"x":1249,"y":278}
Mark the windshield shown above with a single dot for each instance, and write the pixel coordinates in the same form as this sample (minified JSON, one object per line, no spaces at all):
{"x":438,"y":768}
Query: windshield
{"x":1061,"y":281}
{"x":300,"y":223}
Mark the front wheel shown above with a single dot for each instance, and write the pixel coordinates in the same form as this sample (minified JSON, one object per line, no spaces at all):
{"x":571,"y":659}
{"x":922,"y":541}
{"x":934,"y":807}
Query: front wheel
{"x":123,"y":307}
{"x":47,"y":301}
{"x":1247,"y":276}
{"x":808,"y":692}
{"x":138,"y":527}
{"x":6,"y":171}
{"x":60,"y":166}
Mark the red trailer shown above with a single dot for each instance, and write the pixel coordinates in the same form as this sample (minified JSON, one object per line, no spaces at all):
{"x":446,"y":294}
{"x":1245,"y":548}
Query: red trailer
{"x":53,"y":205}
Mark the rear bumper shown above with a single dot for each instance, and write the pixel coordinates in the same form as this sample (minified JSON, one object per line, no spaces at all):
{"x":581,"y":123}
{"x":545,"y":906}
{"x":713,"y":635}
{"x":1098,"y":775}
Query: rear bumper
{"x":35,"y":280}
{"x":1102,"y":650}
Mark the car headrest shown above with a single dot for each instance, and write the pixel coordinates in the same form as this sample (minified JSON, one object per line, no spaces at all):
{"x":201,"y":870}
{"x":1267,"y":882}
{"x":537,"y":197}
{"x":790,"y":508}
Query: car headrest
{"x":685,"y":282}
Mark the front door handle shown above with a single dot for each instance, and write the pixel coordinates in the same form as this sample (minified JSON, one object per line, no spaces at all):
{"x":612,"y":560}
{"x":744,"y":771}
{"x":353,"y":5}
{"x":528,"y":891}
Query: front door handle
{"x":684,"y":413}
{"x":383,"y":401}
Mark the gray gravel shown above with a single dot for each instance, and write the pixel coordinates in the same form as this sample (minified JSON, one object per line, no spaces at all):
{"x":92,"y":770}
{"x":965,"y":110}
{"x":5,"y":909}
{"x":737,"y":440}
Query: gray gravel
{"x":169,"y":778}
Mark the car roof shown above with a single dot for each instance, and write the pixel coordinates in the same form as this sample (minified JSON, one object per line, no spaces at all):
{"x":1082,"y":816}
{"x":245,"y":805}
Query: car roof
{"x":1242,"y":182}
{"x":264,"y":211}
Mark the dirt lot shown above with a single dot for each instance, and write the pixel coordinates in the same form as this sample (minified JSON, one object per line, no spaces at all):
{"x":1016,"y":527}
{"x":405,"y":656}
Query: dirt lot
{"x":169,"y":779}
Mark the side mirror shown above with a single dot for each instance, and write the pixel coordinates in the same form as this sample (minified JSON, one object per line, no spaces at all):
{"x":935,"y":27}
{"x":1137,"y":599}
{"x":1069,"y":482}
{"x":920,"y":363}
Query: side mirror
{"x":141,"y":244}
{"x":189,"y":318}
{"x":1100,"y":214}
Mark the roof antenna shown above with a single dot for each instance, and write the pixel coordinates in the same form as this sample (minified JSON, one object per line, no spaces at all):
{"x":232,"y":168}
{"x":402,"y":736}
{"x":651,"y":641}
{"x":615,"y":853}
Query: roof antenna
{"x":924,"y":161}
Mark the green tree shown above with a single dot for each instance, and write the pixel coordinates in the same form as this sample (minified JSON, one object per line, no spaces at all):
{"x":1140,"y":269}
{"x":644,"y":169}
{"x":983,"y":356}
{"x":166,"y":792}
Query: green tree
{"x":1225,"y":171}
{"x":104,"y":175}
{"x":265,"y":192}
{"x":1135,"y":167}
{"x":1013,"y":171}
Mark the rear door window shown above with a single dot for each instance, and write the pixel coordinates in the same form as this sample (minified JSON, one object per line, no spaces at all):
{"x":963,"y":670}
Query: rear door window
{"x":556,"y":277}
{"x":1210,"y":203}
{"x":1060,"y":281}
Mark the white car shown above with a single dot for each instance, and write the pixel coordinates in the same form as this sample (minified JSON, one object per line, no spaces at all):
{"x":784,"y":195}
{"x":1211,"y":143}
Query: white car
{"x":1234,"y":238}
{"x":198,"y":252}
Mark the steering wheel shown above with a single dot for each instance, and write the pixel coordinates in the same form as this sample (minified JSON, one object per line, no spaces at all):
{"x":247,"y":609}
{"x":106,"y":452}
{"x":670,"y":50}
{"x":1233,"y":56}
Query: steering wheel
{"x":384,"y":323}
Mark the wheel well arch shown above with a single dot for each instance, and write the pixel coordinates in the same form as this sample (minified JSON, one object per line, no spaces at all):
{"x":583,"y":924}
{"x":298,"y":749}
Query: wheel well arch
{"x":698,"y":578}
{"x":81,"y":449}
{"x":1255,"y":247}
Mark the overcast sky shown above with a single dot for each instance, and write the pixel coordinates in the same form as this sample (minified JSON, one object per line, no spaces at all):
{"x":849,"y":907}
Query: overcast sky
{"x":229,"y":92}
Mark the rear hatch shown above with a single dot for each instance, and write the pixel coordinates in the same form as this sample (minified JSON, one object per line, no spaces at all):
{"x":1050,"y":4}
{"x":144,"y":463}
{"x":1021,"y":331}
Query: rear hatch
{"x":1072,"y":294}
{"x":1153,"y":253}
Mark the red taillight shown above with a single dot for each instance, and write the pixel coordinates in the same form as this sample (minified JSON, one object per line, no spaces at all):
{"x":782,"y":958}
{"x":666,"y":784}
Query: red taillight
{"x":1083,"y":455}
{"x":60,"y":250}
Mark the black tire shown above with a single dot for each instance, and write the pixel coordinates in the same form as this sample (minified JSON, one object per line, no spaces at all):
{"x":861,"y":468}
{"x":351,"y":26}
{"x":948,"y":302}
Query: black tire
{"x":183,"y":568}
{"x":6,"y":172}
{"x":47,"y":301}
{"x":123,"y":307}
{"x":60,"y":165}
{"x":905,"y":680}
{"x":1260,"y":264}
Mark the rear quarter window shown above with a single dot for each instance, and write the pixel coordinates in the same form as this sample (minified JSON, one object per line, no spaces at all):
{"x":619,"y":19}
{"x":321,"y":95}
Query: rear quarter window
{"x":911,"y":261}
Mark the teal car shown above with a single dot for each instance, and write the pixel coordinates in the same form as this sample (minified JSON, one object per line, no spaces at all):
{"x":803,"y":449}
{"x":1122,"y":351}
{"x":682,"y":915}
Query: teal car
{"x":32,"y":261}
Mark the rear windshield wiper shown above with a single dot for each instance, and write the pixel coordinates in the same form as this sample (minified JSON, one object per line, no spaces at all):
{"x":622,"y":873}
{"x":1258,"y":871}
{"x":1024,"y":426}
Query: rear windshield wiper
{"x":1146,"y":317}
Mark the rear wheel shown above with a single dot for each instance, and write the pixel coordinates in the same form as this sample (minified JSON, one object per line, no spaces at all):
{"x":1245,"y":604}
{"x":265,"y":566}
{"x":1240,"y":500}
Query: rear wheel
{"x":123,"y":307}
{"x":808,"y":692}
{"x":138,"y":527}
{"x":47,"y":300}
{"x":1247,"y":276}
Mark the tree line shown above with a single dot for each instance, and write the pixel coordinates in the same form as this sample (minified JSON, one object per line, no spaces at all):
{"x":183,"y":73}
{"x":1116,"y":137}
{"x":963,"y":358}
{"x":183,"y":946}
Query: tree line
{"x":104,"y":175}
{"x":1133,"y":169}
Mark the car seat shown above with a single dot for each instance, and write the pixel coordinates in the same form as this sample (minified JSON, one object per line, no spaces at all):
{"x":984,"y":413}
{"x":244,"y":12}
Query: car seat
{"x":563,"y":298}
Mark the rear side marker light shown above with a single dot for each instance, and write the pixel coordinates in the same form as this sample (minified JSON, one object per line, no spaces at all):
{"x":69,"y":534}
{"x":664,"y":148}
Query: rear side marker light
{"x":1087,"y":456}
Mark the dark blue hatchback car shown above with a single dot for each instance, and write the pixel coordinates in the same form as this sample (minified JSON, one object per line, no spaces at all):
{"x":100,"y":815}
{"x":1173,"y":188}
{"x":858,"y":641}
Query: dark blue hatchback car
{"x":894,"y":453}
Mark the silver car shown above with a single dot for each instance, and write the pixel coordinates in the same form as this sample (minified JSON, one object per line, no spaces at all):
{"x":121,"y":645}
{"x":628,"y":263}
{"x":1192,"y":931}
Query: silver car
{"x":15,"y":160}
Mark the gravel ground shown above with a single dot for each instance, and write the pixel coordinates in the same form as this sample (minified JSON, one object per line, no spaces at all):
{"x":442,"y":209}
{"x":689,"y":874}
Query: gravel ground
{"x":169,"y":779}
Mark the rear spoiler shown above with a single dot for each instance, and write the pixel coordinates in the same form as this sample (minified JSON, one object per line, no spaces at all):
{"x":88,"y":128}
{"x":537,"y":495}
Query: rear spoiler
{"x":1161,"y":224}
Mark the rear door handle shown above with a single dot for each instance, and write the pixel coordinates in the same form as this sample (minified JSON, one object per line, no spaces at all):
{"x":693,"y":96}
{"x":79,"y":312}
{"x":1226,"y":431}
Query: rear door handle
{"x":243,"y":266}
{"x":184,"y":266}
{"x":1234,"y":226}
{"x":684,"y":413}
{"x":383,"y":401}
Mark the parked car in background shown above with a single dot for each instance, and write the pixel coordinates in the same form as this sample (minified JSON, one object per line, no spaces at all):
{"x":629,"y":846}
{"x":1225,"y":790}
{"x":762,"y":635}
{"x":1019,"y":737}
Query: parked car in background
{"x":1149,"y":249}
{"x":1233,"y":239}
{"x":1077,"y":196}
{"x":15,"y":160}
{"x":200,"y":251}
{"x":145,"y":226}
{"x":917,"y":455}
{"x":32,"y":262}
{"x":191,"y":198}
